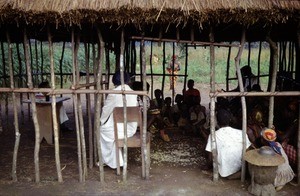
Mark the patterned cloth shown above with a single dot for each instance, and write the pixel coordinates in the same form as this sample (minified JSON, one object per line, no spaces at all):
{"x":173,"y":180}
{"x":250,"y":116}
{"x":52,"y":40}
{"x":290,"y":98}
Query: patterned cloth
{"x":291,"y":153}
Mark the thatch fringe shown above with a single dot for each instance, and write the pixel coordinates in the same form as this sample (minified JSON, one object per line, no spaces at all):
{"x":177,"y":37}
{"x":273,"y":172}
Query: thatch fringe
{"x":97,"y":5}
{"x":124,"y":16}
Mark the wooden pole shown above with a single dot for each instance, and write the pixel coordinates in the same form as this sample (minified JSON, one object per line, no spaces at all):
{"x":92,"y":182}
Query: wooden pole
{"x":74,"y":56}
{"x":98,"y":104}
{"x":79,"y":112}
{"x":186,"y":66}
{"x":145,"y":171}
{"x":298,"y":149}
{"x":20,"y":82}
{"x":42,"y":61}
{"x":26,"y":74}
{"x":31,"y":62}
{"x":5,"y":83}
{"x":151,"y":69}
{"x":61,"y":74}
{"x":36,"y":62}
{"x":16,"y":122}
{"x":107,"y":66}
{"x":243,"y":101}
{"x":3,"y":68}
{"x":164,"y":67}
{"x":258,"y":62}
{"x":173,"y":76}
{"x":227,"y":68}
{"x":132,"y":57}
{"x":95,"y":63}
{"x":125,"y":149}
{"x":274,"y":49}
{"x":297,"y":77}
{"x":212,"y":108}
{"x":249,"y":54}
{"x":54,"y":111}
{"x":88,"y":104}
{"x":33,"y":107}
{"x":198,"y":43}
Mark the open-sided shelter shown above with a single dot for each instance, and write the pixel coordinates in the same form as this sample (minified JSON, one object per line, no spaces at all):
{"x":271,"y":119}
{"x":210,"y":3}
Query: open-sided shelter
{"x":114,"y":25}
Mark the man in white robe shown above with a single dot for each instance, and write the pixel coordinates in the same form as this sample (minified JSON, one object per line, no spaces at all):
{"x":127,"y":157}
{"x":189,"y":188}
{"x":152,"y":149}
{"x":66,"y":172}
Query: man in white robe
{"x":229,"y":143}
{"x":107,"y":137}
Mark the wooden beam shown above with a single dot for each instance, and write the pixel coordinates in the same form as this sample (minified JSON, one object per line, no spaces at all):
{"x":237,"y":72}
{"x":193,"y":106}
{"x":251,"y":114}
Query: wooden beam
{"x":196,"y":43}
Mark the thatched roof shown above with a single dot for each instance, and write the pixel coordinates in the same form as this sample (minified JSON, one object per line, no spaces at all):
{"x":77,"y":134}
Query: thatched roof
{"x":151,"y":14}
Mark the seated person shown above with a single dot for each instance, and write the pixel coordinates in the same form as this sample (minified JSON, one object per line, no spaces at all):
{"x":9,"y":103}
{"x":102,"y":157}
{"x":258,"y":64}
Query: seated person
{"x":289,"y":130}
{"x":63,"y":117}
{"x":158,"y":101}
{"x":229,"y":144}
{"x":284,"y":172}
{"x":177,"y":109}
{"x":197,"y":119}
{"x":154,"y":117}
{"x":107,"y":135}
{"x":192,"y":96}
{"x":254,"y":127}
{"x":248,"y":79}
{"x":167,"y":112}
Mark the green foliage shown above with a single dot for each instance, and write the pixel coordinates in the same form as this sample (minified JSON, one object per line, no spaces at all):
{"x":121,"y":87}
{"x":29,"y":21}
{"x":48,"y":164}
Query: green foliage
{"x":198,"y":64}
{"x":198,"y":67}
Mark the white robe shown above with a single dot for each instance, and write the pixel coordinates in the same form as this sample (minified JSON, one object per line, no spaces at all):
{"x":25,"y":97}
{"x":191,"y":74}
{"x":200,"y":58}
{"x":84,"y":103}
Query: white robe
{"x":107,"y":138}
{"x":229,"y":143}
{"x":284,"y":172}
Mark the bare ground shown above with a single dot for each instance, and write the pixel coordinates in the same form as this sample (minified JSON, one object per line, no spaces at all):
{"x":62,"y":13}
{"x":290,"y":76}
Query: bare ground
{"x":176,"y":168}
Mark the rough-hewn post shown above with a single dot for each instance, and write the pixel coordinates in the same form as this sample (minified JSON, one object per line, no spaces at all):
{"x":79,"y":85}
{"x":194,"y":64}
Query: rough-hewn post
{"x":74,"y":56}
{"x":16,"y":121}
{"x":54,"y":112}
{"x":88,"y":104}
{"x":145,"y":171}
{"x":125,"y":151}
{"x":227,"y":68}
{"x":98,"y":104}
{"x":298,"y":79}
{"x":164,"y":67}
{"x":274,"y":48}
{"x":79,"y":112}
{"x":33,"y":107}
{"x":61,"y":74}
{"x":243,"y":101}
{"x":212,"y":107}
{"x":20,"y":81}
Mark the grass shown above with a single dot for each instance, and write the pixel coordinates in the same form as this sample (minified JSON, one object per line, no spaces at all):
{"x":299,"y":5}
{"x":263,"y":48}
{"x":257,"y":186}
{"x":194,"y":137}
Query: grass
{"x":199,"y":62}
{"x":198,"y":65}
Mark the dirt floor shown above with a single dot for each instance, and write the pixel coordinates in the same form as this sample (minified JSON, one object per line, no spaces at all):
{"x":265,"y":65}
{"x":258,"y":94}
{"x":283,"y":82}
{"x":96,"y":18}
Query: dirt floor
{"x":177,"y":168}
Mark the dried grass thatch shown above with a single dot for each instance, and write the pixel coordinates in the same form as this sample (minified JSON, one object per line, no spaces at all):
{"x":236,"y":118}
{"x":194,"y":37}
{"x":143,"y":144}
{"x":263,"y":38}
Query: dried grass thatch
{"x":137,"y":11}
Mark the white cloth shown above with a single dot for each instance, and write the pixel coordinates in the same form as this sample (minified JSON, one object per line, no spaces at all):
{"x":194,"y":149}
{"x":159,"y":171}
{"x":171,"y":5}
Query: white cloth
{"x":107,"y":138}
{"x":284,"y":172}
{"x":229,"y":143}
{"x":63,"y":117}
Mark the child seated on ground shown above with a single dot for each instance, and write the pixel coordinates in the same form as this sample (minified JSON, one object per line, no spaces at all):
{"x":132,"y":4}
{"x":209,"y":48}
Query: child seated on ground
{"x":167,"y":112}
{"x":177,"y":109}
{"x":154,"y":117}
{"x":197,"y":118}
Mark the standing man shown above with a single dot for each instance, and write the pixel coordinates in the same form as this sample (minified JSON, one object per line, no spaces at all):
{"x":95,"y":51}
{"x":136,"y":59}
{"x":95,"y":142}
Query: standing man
{"x":173,"y":69}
